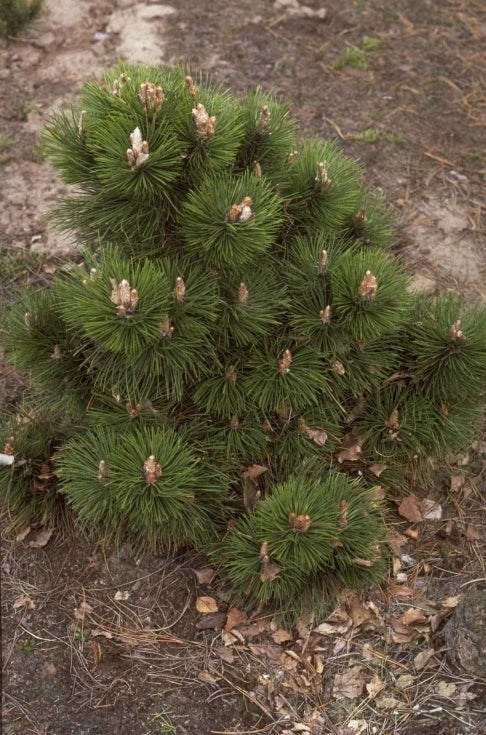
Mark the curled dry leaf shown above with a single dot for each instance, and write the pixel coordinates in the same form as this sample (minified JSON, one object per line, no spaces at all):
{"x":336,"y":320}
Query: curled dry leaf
{"x":205,"y":605}
{"x":409,"y":508}
{"x":20,"y":536}
{"x":204,"y":575}
{"x":451,"y":602}
{"x":99,"y":632}
{"x":254,"y":471}
{"x":41,"y":539}
{"x":97,"y":652}
{"x":235,"y":617}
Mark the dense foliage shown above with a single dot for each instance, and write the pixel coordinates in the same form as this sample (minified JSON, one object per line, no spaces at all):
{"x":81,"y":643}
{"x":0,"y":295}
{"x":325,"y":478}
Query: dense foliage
{"x":238,"y":357}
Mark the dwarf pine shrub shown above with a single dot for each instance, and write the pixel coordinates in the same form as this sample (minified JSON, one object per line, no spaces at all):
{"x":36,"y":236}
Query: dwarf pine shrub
{"x":238,"y":356}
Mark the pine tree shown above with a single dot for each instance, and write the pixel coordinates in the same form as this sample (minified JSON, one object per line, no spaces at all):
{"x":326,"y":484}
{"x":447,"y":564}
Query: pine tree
{"x":236,"y":349}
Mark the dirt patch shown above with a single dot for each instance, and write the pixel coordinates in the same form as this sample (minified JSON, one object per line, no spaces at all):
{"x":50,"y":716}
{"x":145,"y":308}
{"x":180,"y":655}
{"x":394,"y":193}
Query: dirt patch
{"x":401,"y":86}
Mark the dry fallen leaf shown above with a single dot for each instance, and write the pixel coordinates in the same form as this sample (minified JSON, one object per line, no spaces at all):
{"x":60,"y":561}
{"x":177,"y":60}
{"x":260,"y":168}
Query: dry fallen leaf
{"x":446,"y":688}
{"x":41,"y":539}
{"x":20,"y":536}
{"x":457,"y":481}
{"x":349,"y":684}
{"x":431,"y":510}
{"x":254,"y":629}
{"x":388,"y":703}
{"x":422,"y":659}
{"x":374,"y":686}
{"x":357,"y":726}
{"x":409,"y":508}
{"x":235,"y":617}
{"x":451,"y":602}
{"x":206,"y":605}
{"x":350,"y":454}
{"x":404,"y":681}
{"x":99,"y":632}
{"x":282,"y":636}
{"x":97,"y":652}
{"x":395,"y":540}
{"x":329,"y":629}
{"x":412,"y":616}
{"x":207,"y":677}
{"x":377,"y":469}
{"x":204,"y":575}
{"x":23,"y":601}
{"x":121,"y":595}
{"x":254,"y":471}
{"x":224,"y":653}
{"x":212,"y":621}
{"x":82,"y":610}
{"x":472,"y":534}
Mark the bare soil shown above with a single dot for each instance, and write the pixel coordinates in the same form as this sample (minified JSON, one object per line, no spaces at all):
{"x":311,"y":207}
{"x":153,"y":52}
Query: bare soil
{"x":100,"y":642}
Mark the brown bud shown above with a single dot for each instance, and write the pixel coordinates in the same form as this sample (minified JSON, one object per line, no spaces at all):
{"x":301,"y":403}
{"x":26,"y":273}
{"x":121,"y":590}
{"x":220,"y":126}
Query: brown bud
{"x":325,"y":315}
{"x":360,"y":218}
{"x":180,"y":290}
{"x":392,"y":420}
{"x":234,"y":423}
{"x":338,"y":367}
{"x":139,"y":152}
{"x":82,"y":124}
{"x":264,"y":120}
{"x":103,"y":471}
{"x":322,"y":179}
{"x":285,"y":362}
{"x":240,"y":213}
{"x":292,"y":156}
{"x":269,"y":571}
{"x":231,"y":374}
{"x":455,"y":332}
{"x":368,"y":287}
{"x":57,"y":354}
{"x":124,"y":297}
{"x":205,"y":125}
{"x":166,"y":329}
{"x":8,"y":449}
{"x":321,"y":268}
{"x":299,"y":523}
{"x":190,"y":86}
{"x":119,"y":84}
{"x":151,"y":470}
{"x":93,"y":274}
{"x":28,"y":320}
{"x":343,"y":514}
{"x":257,"y":170}
{"x":151,"y":96}
{"x":242,"y":293}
